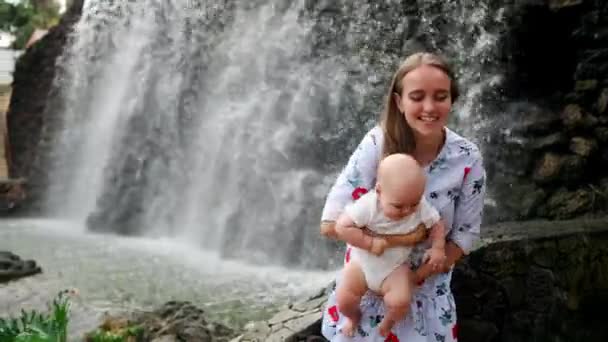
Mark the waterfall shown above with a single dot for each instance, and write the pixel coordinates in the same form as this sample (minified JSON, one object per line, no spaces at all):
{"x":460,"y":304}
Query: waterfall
{"x":224,"y":123}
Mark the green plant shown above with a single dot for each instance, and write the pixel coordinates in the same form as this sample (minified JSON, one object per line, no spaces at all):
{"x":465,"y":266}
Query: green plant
{"x":34,"y":326}
{"x":130,"y":333}
{"x":22,"y":17}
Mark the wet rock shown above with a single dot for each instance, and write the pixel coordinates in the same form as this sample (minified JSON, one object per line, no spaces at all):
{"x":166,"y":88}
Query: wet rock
{"x":559,"y":4}
{"x":300,"y":323}
{"x":548,"y":168}
{"x":174,"y":321}
{"x":585,"y":85}
{"x":602,"y":102}
{"x":572,"y":116}
{"x":12,"y":267}
{"x":550,"y":141}
{"x":602,"y":134}
{"x":520,"y":199}
{"x":583,"y":147}
{"x":565,"y":204}
{"x":564,"y":168}
{"x":473,"y":330}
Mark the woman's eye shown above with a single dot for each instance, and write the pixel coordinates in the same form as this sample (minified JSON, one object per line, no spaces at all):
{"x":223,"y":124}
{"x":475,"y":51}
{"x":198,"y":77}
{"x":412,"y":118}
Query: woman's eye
{"x":416,"y":96}
{"x":441,"y":97}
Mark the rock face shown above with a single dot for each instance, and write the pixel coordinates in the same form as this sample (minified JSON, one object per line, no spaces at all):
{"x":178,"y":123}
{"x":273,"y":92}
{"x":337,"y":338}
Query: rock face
{"x":30,"y":123}
{"x":551,"y":147}
{"x":174,"y":321}
{"x":546,"y":288}
{"x":522,"y":285}
{"x":12,"y":267}
{"x":299,"y":322}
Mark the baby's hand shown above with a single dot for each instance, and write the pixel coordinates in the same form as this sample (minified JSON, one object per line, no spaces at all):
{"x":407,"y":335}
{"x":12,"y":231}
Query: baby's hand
{"x":435,"y":257}
{"x":378,"y":246}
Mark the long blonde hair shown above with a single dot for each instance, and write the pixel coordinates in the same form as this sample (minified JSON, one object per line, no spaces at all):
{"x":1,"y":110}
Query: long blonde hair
{"x":398,"y":135}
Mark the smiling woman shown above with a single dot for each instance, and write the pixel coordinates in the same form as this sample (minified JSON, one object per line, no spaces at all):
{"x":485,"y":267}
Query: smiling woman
{"x":414,"y":120}
{"x":422,"y":93}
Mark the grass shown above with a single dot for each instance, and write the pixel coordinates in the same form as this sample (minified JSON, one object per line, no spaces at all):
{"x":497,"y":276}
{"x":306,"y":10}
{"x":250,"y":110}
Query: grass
{"x":34,"y":326}
{"x":52,"y":326}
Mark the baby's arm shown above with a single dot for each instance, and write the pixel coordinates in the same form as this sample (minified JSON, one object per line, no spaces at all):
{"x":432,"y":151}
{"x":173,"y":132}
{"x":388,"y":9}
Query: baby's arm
{"x":435,"y":256}
{"x":437,"y":235}
{"x":349,"y":232}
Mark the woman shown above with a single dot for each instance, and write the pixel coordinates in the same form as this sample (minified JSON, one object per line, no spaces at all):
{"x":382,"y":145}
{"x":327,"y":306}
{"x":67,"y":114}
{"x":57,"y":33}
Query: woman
{"x":414,"y":120}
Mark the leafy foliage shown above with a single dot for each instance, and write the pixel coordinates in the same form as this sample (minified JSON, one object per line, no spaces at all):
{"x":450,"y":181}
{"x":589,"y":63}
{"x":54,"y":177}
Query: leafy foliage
{"x":34,"y":326}
{"x":23,"y":17}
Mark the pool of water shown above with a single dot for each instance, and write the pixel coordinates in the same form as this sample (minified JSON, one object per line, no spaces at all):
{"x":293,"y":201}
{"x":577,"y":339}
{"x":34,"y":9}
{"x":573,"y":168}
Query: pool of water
{"x":114,"y":274}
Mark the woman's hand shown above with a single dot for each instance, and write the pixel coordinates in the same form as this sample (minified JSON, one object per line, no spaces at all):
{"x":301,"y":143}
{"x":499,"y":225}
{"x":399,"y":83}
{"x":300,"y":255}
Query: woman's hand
{"x":436,"y":258}
{"x":328,"y":229}
{"x":453,"y":253}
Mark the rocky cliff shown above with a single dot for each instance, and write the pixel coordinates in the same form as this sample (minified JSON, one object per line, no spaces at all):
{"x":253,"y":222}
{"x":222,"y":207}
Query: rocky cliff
{"x":32,"y":120}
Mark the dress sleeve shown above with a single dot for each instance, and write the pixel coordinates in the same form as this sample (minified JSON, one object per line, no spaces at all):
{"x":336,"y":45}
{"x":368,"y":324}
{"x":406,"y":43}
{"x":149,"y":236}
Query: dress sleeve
{"x":357,"y":177}
{"x":469,"y":207}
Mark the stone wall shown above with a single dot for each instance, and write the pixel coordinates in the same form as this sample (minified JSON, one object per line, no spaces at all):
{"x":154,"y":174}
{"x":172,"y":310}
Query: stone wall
{"x":521,"y":285}
{"x":549,"y":145}
{"x":535,"y":287}
{"x":29,"y":121}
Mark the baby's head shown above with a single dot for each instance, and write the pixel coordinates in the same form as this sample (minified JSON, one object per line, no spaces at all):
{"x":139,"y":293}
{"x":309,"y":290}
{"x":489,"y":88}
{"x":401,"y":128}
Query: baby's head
{"x":400,"y":185}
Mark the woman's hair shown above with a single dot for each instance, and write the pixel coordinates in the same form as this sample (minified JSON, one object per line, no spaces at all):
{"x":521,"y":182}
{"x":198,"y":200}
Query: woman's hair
{"x":398,"y":135}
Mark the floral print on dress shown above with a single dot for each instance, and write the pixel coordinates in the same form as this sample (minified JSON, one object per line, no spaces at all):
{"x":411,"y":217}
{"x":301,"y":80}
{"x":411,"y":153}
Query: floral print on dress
{"x":375,"y":320}
{"x":478,"y":186}
{"x":333,"y":313}
{"x":466,"y":172}
{"x":465,"y":149}
{"x":358,"y":192}
{"x":446,"y":317}
{"x":391,"y":338}
{"x":438,"y":163}
{"x":347,"y":255}
{"x":453,"y":194}
{"x":362,"y":332}
{"x":354,"y":178}
{"x":441,"y":289}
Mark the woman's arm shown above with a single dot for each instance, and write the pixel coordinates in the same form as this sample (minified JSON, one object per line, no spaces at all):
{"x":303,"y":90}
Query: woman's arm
{"x":328,"y":229}
{"x":347,"y":231}
{"x":357,"y":177}
{"x":469,"y":208}
{"x":467,"y":221}
{"x":407,"y":240}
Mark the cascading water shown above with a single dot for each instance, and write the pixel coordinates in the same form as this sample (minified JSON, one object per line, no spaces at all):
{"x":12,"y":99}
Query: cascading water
{"x":223,"y":123}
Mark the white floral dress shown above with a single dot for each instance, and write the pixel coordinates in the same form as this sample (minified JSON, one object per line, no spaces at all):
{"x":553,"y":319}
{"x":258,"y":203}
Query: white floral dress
{"x":456,"y":188}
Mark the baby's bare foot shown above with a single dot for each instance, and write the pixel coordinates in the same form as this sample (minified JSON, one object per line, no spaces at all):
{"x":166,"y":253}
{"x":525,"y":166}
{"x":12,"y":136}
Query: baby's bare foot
{"x":384,"y":328}
{"x":349,"y":328}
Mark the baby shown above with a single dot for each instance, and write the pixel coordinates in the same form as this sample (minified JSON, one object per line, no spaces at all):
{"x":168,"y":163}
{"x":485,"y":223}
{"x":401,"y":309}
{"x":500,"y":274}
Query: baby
{"x":396,"y":206}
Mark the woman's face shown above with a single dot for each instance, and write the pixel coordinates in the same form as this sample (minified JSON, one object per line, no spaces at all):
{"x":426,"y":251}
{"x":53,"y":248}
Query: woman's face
{"x":425,"y":100}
